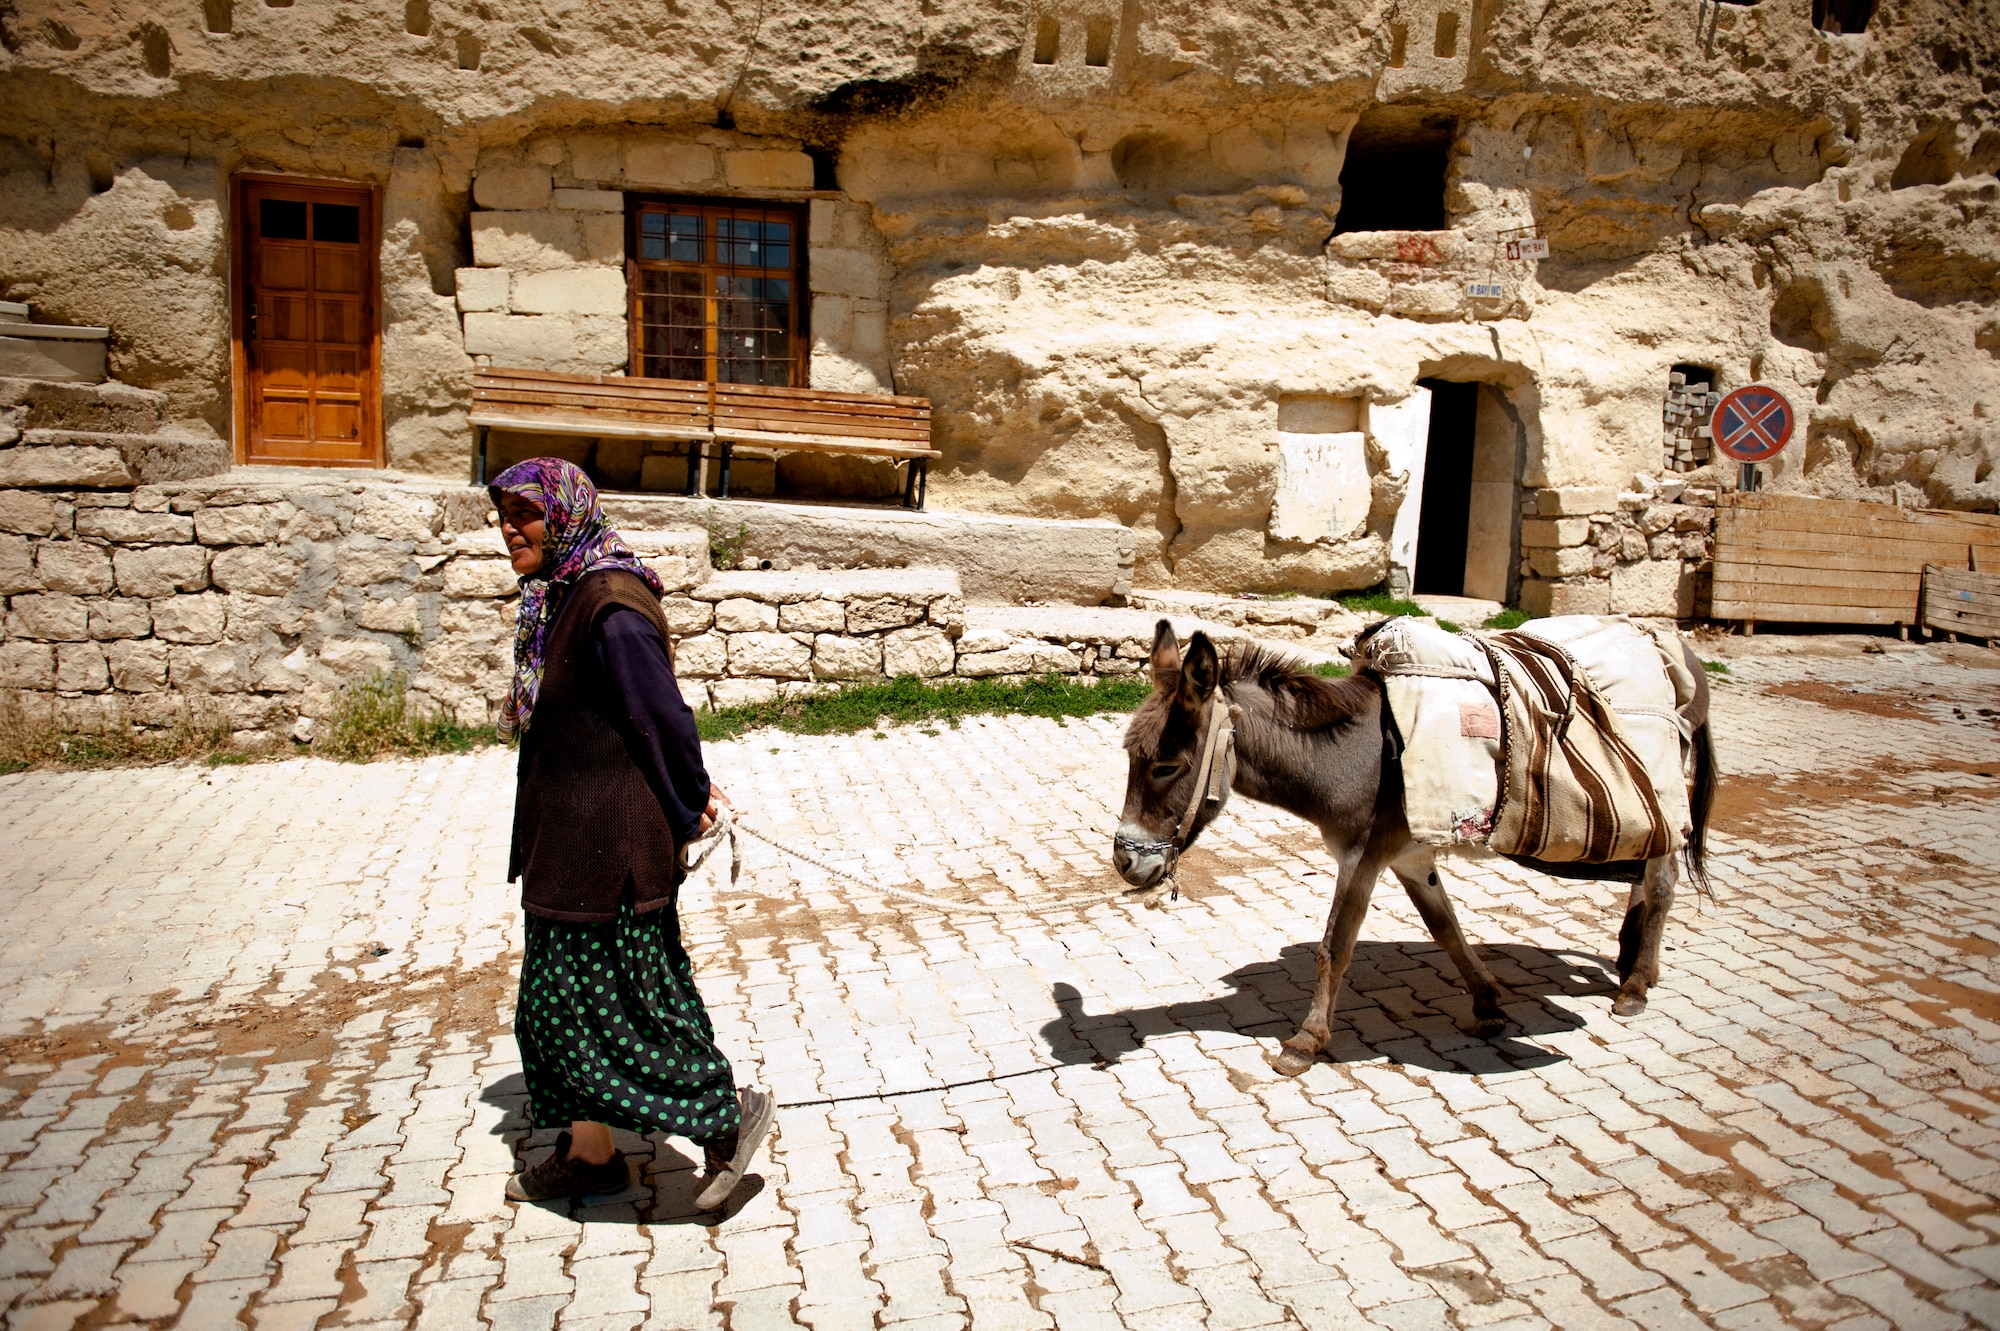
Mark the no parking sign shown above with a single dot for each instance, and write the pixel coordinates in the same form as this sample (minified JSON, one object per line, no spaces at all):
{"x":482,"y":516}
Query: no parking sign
{"x":1753,"y":423}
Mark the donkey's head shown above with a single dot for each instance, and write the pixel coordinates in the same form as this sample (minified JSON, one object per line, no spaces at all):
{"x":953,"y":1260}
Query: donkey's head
{"x":1164,"y":745}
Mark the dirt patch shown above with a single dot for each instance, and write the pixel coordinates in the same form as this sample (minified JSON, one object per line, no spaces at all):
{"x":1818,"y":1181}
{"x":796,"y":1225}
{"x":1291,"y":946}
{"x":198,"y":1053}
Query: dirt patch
{"x":1894,"y":707}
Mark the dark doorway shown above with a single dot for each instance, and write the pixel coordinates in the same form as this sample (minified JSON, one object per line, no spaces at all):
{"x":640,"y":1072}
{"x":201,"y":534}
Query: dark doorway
{"x":1393,"y":175}
{"x":1443,"y":520}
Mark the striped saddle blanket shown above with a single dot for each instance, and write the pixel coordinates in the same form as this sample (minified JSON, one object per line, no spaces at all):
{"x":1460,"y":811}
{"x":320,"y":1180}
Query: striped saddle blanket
{"x":1561,"y":741}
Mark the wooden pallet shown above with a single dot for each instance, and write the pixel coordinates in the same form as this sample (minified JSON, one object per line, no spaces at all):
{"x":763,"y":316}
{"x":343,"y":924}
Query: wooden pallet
{"x":1794,"y":559}
{"x":727,"y":416}
{"x":1959,"y":600}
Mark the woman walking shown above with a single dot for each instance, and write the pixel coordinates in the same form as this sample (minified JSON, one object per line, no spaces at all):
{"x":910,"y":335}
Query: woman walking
{"x":611,"y":787}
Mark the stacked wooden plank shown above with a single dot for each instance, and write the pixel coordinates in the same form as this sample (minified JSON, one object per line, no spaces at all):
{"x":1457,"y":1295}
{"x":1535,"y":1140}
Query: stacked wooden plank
{"x":729,"y":416}
{"x":1958,"y":600}
{"x":1794,"y":559}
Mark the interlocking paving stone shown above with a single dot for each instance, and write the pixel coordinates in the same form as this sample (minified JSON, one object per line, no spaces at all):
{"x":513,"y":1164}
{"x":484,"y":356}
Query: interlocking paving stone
{"x":257,"y":1063}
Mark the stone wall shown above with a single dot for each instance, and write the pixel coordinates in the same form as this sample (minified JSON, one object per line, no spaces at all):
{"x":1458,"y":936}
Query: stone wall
{"x":1594,"y":550}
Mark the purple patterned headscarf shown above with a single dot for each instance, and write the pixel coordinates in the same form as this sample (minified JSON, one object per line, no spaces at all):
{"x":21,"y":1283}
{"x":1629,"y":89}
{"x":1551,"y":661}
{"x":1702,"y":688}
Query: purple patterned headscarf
{"x":575,"y":540}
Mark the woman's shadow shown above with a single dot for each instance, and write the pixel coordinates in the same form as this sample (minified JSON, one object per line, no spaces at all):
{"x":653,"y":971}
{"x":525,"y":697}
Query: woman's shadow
{"x":662,"y":1183}
{"x":1395,"y":1002}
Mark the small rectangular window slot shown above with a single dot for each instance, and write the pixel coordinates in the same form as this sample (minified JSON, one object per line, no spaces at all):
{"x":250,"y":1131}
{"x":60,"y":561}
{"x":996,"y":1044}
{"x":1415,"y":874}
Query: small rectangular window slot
{"x":1097,"y":43}
{"x":1447,"y":37}
{"x":1048,"y":34}
{"x":1399,"y":41}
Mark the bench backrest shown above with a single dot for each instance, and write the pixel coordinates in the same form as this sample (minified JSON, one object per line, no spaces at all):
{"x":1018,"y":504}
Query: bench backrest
{"x":685,"y":404}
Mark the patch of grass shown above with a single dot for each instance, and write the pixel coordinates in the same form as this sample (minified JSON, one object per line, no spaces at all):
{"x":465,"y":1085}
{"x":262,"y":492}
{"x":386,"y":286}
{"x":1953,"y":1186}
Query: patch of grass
{"x":374,"y":717}
{"x":1447,"y":626}
{"x":901,"y":701}
{"x":31,"y":740}
{"x":1332,"y":670}
{"x":1377,"y":601}
{"x":725,"y":552}
{"x":1715,"y":667}
{"x":1510,"y":618}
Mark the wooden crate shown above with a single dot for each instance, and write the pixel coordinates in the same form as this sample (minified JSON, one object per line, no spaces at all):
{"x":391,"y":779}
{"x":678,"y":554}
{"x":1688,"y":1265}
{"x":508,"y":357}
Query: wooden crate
{"x":1958,"y":600}
{"x":1793,"y":559}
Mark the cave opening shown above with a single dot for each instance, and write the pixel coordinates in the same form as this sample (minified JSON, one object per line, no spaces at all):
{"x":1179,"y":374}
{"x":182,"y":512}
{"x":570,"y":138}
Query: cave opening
{"x":1393,"y":178}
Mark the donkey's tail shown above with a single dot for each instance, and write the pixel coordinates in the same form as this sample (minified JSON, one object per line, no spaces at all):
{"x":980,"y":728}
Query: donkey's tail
{"x":1701,"y":801}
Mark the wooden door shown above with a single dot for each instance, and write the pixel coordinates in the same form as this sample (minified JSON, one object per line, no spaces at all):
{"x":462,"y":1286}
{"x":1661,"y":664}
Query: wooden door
{"x":306,"y":324}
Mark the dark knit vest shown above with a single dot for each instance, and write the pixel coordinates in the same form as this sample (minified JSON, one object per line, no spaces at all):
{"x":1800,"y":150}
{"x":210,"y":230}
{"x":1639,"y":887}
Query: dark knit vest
{"x":585,"y":819}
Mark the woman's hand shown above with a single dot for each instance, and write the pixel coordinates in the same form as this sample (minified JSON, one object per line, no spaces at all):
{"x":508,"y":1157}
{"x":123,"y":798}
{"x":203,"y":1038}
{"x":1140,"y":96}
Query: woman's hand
{"x":717,"y":802}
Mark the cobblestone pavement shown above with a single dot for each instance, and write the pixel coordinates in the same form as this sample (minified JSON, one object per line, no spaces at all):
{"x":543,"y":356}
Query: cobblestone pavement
{"x":256,"y":1061}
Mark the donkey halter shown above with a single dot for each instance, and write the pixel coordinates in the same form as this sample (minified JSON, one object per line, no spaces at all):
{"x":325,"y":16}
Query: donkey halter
{"x":1213,"y":778}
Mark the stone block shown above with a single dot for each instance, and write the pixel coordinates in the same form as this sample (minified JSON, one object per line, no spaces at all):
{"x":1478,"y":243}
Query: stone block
{"x":1589,"y":596}
{"x":687,"y":616}
{"x":26,"y":512}
{"x":364,"y":563}
{"x":570,"y":291}
{"x":528,"y":341}
{"x":743,"y":692}
{"x":385,"y":616}
{"x":480,"y":577}
{"x":239,"y":524}
{"x":137,"y":667}
{"x":512,"y":188}
{"x":596,"y":156}
{"x":1564,"y":563}
{"x":821,"y":616}
{"x":17,"y":566}
{"x":54,"y":615}
{"x":591,"y":200}
{"x":190,"y":619}
{"x":603,"y":237}
{"x":872,"y":614}
{"x":74,"y":566}
{"x":769,"y":656}
{"x":1362,"y":287}
{"x":1554,"y":532}
{"x":483,"y":288}
{"x":80,"y":667}
{"x":65,"y":465}
{"x":357,"y":658}
{"x":948,"y":613}
{"x":836,"y":657}
{"x":766,"y":168}
{"x":741,"y":615}
{"x":27,"y":665}
{"x":987,"y":640}
{"x":256,"y":570}
{"x":1576,"y":501}
{"x":704,"y":657}
{"x":528,"y":241}
{"x":1023,"y":658}
{"x":210,"y":669}
{"x":128,"y":527}
{"x":1656,"y":587}
{"x":670,"y":164}
{"x":858,"y":273}
{"x":923,"y":652}
{"x":120,"y":619}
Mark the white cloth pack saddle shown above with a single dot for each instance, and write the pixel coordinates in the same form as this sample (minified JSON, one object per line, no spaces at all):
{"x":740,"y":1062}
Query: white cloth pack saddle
{"x":1561,"y":741}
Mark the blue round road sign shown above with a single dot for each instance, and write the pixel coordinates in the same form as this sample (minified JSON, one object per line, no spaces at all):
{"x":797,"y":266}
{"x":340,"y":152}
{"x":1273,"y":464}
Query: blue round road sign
{"x":1752,"y":423}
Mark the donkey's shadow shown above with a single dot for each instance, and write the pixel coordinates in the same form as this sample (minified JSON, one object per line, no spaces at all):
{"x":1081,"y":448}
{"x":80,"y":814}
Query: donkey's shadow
{"x":1400,"y":1001}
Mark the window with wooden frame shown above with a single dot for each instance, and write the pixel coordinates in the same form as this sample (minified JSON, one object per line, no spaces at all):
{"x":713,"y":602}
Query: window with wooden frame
{"x":714,"y":290}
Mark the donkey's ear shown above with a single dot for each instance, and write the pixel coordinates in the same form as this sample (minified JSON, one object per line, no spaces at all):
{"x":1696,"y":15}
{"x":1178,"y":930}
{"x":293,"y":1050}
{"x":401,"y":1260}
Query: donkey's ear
{"x":1166,"y":660}
{"x":1201,"y":671}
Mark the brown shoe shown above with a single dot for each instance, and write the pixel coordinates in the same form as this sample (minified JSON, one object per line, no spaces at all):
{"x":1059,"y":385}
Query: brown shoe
{"x":560,"y":1176}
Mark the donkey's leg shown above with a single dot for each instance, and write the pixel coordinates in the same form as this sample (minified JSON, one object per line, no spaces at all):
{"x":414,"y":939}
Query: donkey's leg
{"x":1659,"y":888}
{"x":1632,"y":930}
{"x":1358,"y":871}
{"x":1417,"y":870}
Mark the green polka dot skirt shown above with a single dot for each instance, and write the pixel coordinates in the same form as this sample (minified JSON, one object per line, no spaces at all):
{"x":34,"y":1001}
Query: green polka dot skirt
{"x":613,"y":1031}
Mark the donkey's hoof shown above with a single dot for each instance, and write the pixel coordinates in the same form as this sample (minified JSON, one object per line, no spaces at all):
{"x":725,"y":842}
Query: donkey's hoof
{"x":1628,"y":1005}
{"x":1487,"y":1027}
{"x":1290,"y":1061}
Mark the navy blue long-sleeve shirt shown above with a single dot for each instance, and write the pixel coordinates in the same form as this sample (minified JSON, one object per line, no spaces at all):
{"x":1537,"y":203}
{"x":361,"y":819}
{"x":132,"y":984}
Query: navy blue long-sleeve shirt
{"x":659,"y":727}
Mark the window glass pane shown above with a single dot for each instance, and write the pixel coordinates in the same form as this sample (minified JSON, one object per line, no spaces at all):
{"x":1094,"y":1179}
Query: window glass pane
{"x":337,"y":223}
{"x":686,"y":230}
{"x":281,"y":219}
{"x":652,"y":236}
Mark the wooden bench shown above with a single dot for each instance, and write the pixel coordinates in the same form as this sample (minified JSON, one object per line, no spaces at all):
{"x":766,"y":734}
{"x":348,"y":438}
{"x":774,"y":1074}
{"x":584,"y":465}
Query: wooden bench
{"x":728,"y":416}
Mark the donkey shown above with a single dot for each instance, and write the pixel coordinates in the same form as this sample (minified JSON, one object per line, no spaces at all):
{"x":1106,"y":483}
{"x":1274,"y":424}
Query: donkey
{"x":1322,"y":749}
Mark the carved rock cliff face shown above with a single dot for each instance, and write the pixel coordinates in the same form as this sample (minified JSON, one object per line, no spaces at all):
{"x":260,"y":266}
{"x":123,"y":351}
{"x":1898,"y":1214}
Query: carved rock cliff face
{"x":1099,"y":236}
